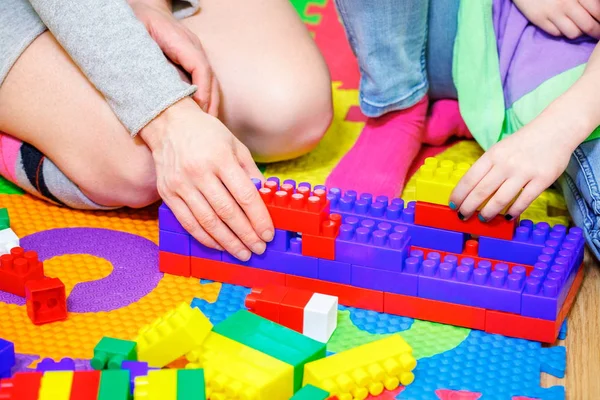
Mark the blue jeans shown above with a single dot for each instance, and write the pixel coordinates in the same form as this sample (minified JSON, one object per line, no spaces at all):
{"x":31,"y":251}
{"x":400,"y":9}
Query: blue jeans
{"x":404,"y":50}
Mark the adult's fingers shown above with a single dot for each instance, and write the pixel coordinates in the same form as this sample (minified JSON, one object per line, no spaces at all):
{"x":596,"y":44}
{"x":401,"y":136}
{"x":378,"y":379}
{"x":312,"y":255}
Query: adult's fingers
{"x":189,"y":222}
{"x":215,"y":98}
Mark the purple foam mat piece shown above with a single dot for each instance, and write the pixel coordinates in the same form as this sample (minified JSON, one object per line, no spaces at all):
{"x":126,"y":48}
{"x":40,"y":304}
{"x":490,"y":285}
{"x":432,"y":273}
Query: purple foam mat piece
{"x":335,"y":271}
{"x":134,"y":260}
{"x":176,"y":243}
{"x":167,"y":220}
{"x":199,"y":250}
{"x":386,"y":281}
{"x":48,"y":364}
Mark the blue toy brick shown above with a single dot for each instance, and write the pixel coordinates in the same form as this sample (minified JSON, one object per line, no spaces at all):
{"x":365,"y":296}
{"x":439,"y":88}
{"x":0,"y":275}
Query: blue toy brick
{"x":7,"y":358}
{"x":167,"y":220}
{"x":464,"y":284}
{"x":281,"y":240}
{"x":172,"y":242}
{"x":385,"y":281}
{"x":199,"y":250}
{"x":564,"y":329}
{"x":48,"y":364}
{"x":135,"y":368}
{"x":335,"y":271}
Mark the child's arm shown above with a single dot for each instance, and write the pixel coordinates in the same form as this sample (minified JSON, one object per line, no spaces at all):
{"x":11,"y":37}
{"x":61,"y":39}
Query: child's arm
{"x":535,"y":156}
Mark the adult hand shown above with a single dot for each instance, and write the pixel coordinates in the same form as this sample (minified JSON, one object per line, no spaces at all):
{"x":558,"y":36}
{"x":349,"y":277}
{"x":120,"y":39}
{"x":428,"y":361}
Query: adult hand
{"x":204,"y":175}
{"x":182,"y":47}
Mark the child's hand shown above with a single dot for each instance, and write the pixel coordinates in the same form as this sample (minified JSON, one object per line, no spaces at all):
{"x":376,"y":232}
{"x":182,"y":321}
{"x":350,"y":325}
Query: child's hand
{"x":570,"y":18}
{"x":182,"y":47}
{"x":203,"y":175}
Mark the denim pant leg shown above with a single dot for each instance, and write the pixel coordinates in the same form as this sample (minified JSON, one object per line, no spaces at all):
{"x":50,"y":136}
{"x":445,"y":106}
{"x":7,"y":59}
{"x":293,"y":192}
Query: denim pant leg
{"x":581,"y":189}
{"x":443,"y":23}
{"x":389,"y":39}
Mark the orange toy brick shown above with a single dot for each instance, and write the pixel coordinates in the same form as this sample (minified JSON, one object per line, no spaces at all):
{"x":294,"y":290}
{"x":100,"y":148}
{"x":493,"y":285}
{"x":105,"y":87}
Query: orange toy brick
{"x":17,"y":268}
{"x":442,"y":217}
{"x":323,"y":245}
{"x":46,"y":300}
{"x":296,"y":212}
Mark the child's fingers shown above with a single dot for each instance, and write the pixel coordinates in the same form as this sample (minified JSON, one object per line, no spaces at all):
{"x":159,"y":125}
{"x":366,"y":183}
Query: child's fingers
{"x":567,"y":27}
{"x":592,"y":7}
{"x":484,"y":189}
{"x":550,"y":28}
{"x":507,"y":193}
{"x":468,"y":182}
{"x":531,"y":191}
{"x":584,"y":21}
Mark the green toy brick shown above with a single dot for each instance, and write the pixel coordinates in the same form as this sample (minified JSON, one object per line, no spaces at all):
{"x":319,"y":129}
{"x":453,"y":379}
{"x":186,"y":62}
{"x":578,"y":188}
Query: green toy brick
{"x":114,"y":385}
{"x":190,"y":384}
{"x":310,"y":392}
{"x":109,"y":353}
{"x":4,"y":220}
{"x":272,"y":339}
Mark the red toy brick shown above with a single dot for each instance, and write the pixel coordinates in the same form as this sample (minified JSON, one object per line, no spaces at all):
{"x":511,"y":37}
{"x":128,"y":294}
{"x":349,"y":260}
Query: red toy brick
{"x":174,"y":264}
{"x":266,"y":301}
{"x":433,"y":310}
{"x":235,"y":274}
{"x":347,"y":295}
{"x":22,"y":386}
{"x":85,"y":385}
{"x":46,"y":300}
{"x":442,"y":217}
{"x":17,"y":268}
{"x":323,"y":245}
{"x":292,"y":309}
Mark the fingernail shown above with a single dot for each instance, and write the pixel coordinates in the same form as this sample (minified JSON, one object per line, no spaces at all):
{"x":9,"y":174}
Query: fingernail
{"x":452,"y":205}
{"x":508,"y":217}
{"x":244,"y":255}
{"x":259,"y":248}
{"x":481,"y":218}
{"x":267,"y":236}
{"x":460,"y":216}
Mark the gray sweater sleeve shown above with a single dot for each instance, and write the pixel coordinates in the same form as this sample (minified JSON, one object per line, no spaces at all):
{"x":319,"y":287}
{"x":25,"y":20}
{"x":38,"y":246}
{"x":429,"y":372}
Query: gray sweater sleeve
{"x":116,"y":53}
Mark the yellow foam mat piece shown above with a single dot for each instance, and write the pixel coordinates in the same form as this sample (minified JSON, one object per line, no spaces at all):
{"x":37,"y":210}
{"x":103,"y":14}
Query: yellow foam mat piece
{"x":235,"y":371}
{"x":364,"y":370}
{"x":56,"y":385}
{"x":172,"y":336}
{"x":157,"y":385}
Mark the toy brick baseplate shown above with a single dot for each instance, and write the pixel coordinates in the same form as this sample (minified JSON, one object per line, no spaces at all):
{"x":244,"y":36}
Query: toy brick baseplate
{"x":516,"y":280}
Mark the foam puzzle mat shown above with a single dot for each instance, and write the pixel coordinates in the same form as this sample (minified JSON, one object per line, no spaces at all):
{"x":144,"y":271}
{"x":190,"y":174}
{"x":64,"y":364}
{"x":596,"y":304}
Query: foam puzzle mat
{"x":108,"y":262}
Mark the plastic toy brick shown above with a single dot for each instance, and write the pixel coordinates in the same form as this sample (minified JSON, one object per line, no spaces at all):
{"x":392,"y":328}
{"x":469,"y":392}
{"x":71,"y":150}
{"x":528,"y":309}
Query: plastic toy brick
{"x":394,"y":213}
{"x":17,"y":268}
{"x":464,"y":284}
{"x":157,"y":385}
{"x":167,"y":220}
{"x":135,"y":368}
{"x":8,"y":240}
{"x":174,"y":264}
{"x":114,"y":385}
{"x":172,"y":242}
{"x":320,"y":317}
{"x":323,"y":245}
{"x":385,"y":281}
{"x":310,"y":392}
{"x":48,"y":364}
{"x":234,"y":274}
{"x":275,"y":340}
{"x":266,"y":301}
{"x":335,"y":271}
{"x":110,"y":353}
{"x":436,"y":179}
{"x":22,"y":386}
{"x":346,"y":294}
{"x":442,"y":217}
{"x":281,"y":240}
{"x":197,"y":249}
{"x":292,"y":308}
{"x":172,"y":335}
{"x":435,"y":311}
{"x":46,"y":300}
{"x":85,"y":385}
{"x":236,"y":371}
{"x":190,"y":384}
{"x":4,"y":220}
{"x":56,"y":385}
{"x":295,"y":211}
{"x":7,"y":358}
{"x":364,"y":370}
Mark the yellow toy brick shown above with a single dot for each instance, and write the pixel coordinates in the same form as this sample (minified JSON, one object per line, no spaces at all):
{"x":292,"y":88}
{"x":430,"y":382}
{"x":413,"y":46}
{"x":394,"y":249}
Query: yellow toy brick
{"x":172,"y":336}
{"x":56,"y":385}
{"x":235,"y":371}
{"x":364,"y":370}
{"x":157,"y":385}
{"x":436,"y":179}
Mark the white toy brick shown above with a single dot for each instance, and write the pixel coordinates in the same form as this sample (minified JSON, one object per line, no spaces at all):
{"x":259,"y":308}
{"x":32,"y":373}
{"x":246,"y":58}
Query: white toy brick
{"x":8,"y":240}
{"x":320,"y":317}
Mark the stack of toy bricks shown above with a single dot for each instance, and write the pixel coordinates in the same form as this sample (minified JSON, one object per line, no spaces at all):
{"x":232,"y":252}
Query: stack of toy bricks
{"x":417,"y":260}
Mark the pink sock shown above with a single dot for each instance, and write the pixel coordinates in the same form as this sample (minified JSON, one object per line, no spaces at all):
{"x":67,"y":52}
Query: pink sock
{"x":443,"y":122}
{"x":379,"y":160}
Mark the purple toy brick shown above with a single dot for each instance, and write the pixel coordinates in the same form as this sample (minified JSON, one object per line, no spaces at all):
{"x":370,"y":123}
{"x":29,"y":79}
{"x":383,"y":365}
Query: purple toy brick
{"x":281,"y":240}
{"x":167,"y":220}
{"x":383,"y":280}
{"x":199,"y":250}
{"x":477,"y":287}
{"x":274,"y":179}
{"x":257,"y":183}
{"x":48,"y":364}
{"x":7,"y":358}
{"x":135,"y":368}
{"x":290,"y":182}
{"x":174,"y":242}
{"x":335,"y":271}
